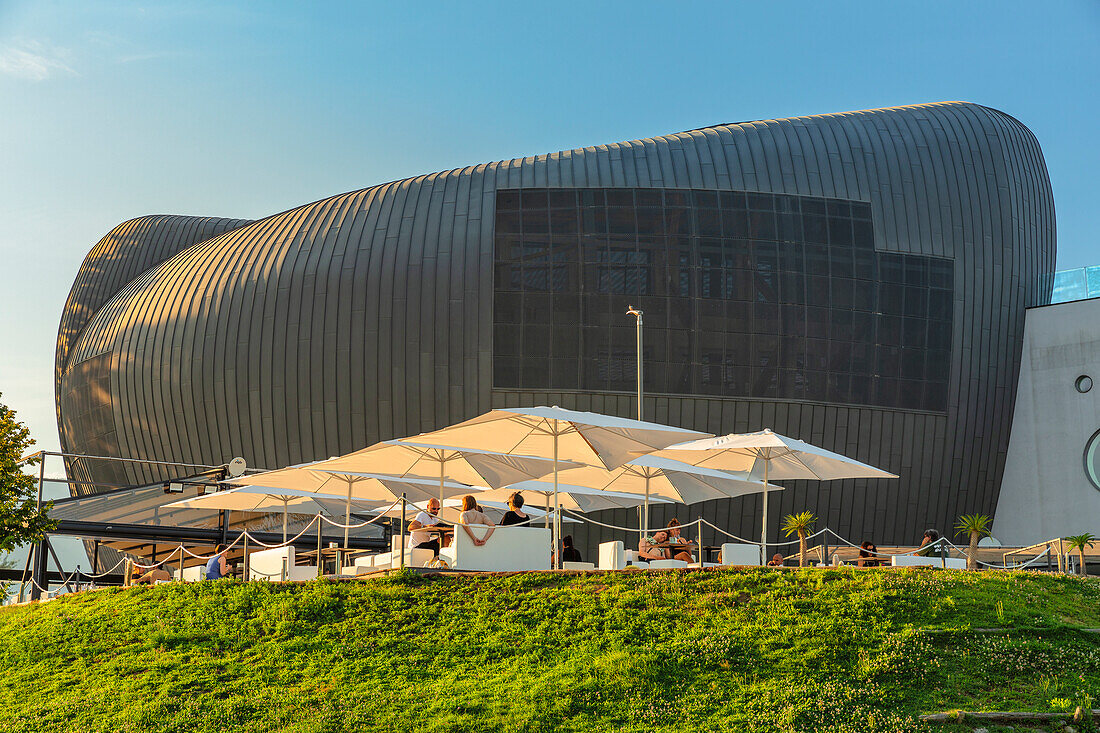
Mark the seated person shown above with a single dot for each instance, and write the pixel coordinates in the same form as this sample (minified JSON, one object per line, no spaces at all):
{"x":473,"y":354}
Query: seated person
{"x":776,"y":561}
{"x":928,"y":544}
{"x":868,"y":555}
{"x":419,"y":536}
{"x":472,"y":515}
{"x":655,"y":548}
{"x":217,"y":567}
{"x":150,"y":577}
{"x":683,"y":552}
{"x":568,"y":552}
{"x":515,"y":513}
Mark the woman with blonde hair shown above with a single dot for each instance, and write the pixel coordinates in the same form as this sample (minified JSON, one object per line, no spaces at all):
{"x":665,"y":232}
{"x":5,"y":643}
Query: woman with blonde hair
{"x":471,"y":515}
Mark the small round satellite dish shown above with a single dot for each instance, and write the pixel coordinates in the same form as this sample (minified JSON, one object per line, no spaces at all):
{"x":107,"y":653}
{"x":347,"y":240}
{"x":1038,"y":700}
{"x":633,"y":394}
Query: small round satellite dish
{"x":236,"y":467}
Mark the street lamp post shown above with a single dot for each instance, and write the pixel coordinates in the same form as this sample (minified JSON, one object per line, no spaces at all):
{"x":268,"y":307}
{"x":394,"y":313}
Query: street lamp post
{"x":632,"y":311}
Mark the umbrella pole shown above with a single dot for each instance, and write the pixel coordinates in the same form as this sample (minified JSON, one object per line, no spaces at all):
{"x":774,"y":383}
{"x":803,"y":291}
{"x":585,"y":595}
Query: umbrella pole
{"x":557,"y":513}
{"x":347,"y":515}
{"x":764,"y":528}
{"x":645,"y":513}
{"x":442,"y":464}
{"x":285,"y":500}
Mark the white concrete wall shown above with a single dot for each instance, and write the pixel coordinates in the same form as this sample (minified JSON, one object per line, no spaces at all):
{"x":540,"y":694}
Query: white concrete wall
{"x":1045,"y":492}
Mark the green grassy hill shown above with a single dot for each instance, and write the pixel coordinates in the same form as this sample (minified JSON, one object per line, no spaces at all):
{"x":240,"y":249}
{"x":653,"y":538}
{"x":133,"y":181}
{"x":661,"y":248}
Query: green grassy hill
{"x":753,"y":650}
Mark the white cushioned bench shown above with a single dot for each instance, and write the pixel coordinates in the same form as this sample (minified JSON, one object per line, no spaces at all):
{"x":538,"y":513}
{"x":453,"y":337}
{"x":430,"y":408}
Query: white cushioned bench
{"x":740,"y":553}
{"x":509,"y":549}
{"x":910,"y":561}
{"x":272,"y":564}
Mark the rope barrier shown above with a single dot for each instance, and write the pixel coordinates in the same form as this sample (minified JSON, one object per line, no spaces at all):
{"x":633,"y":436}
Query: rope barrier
{"x":105,"y":572}
{"x":381,"y":516}
{"x":769,"y":544}
{"x":285,"y":543}
{"x":876,"y":553}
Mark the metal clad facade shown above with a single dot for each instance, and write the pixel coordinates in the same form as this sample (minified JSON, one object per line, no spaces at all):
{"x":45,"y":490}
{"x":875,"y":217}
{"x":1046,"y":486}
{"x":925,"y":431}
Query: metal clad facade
{"x":369,"y":315}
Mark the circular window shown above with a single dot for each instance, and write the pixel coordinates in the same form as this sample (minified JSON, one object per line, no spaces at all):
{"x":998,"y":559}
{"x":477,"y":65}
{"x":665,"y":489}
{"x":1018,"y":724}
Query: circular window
{"x":1083,"y":383}
{"x":1092,"y":459}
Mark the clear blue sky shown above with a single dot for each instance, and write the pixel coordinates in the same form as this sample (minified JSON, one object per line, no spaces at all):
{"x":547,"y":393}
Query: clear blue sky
{"x":112,"y":110}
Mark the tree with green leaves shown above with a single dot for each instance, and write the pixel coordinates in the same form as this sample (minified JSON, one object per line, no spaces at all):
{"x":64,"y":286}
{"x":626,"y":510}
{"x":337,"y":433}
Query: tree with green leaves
{"x":21,"y":520}
{"x":1079,"y":542}
{"x":801,"y":524}
{"x":974,"y":526}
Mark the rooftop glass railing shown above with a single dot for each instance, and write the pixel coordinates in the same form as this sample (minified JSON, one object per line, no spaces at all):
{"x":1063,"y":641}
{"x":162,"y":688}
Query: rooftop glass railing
{"x":1079,"y":284}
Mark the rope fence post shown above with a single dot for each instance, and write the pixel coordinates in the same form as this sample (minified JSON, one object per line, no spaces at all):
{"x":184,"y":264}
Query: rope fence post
{"x":401,"y":542}
{"x":321,"y":560}
{"x":699,"y":539}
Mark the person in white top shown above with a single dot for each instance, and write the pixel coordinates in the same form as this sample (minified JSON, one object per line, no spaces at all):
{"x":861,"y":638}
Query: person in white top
{"x":472,"y":515}
{"x":421,"y":537}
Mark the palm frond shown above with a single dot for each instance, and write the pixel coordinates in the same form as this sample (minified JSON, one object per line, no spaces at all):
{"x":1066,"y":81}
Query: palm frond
{"x":1080,"y":541}
{"x":796,"y":523}
{"x":970,"y":523}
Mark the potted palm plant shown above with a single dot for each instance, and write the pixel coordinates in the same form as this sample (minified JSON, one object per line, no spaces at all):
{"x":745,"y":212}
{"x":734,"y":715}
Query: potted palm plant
{"x":1079,"y":542}
{"x":974,"y":526}
{"x":800,"y":523}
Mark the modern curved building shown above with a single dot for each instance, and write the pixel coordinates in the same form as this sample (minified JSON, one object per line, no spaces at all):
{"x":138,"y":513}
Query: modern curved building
{"x":857,"y":280}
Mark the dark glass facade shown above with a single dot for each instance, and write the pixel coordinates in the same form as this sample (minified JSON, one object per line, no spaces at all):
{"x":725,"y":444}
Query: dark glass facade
{"x":745,"y":295}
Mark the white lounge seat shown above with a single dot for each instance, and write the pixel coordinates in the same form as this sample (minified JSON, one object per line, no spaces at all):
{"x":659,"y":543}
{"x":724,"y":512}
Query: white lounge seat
{"x":666,"y":564}
{"x":278,"y":564}
{"x":739,"y":553}
{"x":193,"y":573}
{"x":578,"y":566}
{"x":509,"y":549}
{"x":612,"y":555}
{"x":909,"y":561}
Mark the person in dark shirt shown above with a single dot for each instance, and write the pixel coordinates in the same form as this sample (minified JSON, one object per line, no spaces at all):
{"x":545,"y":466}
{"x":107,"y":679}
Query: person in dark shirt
{"x":929,"y":544}
{"x":568,"y":552}
{"x":868,"y":555}
{"x":515,"y":513}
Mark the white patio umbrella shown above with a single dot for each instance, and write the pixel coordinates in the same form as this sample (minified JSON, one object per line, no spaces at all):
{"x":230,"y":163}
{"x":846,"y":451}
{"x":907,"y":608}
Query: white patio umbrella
{"x":369,"y":486}
{"x":569,"y":435}
{"x":653,"y":476}
{"x":411,"y":457}
{"x":766,"y":454}
{"x":264,"y":499}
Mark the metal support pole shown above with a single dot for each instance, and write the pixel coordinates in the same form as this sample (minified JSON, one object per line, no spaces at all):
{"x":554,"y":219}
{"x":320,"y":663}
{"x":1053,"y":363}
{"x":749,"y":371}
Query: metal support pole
{"x":41,"y":477}
{"x":245,"y":558}
{"x":825,"y":549}
{"x":60,"y":570}
{"x":637,"y":313}
{"x":26,"y":571}
{"x":38,"y":573}
{"x":224,"y":522}
{"x":95,"y":558}
{"x":321,"y":560}
{"x":38,"y":570}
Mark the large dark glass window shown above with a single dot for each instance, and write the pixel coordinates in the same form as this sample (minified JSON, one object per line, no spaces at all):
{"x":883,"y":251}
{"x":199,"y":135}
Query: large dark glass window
{"x":745,"y":294}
